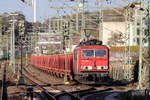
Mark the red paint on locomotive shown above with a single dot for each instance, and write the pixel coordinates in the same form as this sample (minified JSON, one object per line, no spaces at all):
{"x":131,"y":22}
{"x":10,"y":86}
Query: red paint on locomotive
{"x":91,"y":63}
{"x":91,"y":60}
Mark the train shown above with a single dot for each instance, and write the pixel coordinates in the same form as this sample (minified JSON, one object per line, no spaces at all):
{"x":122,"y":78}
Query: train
{"x":88,"y":64}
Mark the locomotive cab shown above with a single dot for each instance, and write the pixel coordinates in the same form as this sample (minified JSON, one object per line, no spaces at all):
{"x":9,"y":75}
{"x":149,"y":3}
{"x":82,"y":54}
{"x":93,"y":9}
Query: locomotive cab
{"x":91,"y":63}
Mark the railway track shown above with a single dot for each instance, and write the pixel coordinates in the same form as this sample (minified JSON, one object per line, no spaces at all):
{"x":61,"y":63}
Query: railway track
{"x":73,"y":86}
{"x":80,"y":91}
{"x":47,"y":92}
{"x":39,"y":87}
{"x":63,"y":95}
{"x":77,"y":94}
{"x":4,"y":95}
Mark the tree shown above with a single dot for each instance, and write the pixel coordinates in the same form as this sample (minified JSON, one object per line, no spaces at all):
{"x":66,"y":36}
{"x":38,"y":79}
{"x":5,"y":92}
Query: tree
{"x":116,"y":39}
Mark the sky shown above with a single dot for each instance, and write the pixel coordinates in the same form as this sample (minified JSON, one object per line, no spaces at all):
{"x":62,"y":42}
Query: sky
{"x":43,"y":8}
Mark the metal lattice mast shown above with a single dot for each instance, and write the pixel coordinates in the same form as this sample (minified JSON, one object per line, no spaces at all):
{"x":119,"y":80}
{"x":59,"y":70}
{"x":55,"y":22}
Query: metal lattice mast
{"x":129,"y":35}
{"x":58,"y":20}
{"x":49,"y":25}
{"x":70,"y":31}
{"x":135,"y":27}
{"x":127,"y":44}
{"x":145,"y":74}
{"x":145,"y":39}
{"x":0,"y":40}
{"x":128,"y":32}
{"x":7,"y":47}
{"x":141,"y":46}
{"x":101,"y":20}
{"x":61,"y":31}
{"x":83,"y":17}
{"x":12,"y":52}
{"x":149,"y":40}
{"x":77,"y":15}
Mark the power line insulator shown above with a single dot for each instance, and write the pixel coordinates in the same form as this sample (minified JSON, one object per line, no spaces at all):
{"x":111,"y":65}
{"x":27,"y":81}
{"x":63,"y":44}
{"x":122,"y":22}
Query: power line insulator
{"x":22,"y":0}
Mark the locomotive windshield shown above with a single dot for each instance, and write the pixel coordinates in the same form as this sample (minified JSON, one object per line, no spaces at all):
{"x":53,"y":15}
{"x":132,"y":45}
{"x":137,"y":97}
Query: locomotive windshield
{"x":100,"y":53}
{"x":94,"y":53}
{"x":87,"y":53}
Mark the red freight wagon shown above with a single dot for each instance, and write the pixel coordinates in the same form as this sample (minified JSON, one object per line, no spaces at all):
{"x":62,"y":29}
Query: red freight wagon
{"x":54,"y":64}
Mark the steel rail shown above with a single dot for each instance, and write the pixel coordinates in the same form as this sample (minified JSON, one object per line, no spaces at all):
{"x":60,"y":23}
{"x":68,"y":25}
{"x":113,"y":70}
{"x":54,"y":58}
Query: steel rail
{"x":63,"y":92}
{"x":82,"y":95}
{"x":39,"y":87}
{"x":4,"y":95}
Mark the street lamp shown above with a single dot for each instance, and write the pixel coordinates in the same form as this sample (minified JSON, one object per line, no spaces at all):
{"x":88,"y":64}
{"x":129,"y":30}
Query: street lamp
{"x":21,"y":79}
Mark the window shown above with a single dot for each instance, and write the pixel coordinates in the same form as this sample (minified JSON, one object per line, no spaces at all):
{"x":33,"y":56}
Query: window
{"x":145,"y":32}
{"x":138,"y":31}
{"x":94,"y":53}
{"x":88,"y":53}
{"x":100,"y":53}
{"x":138,"y":41}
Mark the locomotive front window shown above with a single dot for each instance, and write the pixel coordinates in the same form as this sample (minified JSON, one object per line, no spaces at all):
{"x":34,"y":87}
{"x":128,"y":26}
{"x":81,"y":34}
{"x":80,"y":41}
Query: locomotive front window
{"x":93,"y":53}
{"x":87,"y":53}
{"x":100,"y":53}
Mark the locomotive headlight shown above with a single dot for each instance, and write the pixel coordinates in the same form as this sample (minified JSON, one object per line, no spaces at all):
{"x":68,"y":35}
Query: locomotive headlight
{"x":89,"y":67}
{"x":102,"y":67}
{"x":86,"y":67}
{"x":99,"y":67}
{"x":105,"y":67}
{"x":83,"y":67}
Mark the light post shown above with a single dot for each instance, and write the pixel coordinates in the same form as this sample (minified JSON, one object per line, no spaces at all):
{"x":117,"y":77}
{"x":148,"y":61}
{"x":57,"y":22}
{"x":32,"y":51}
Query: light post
{"x":66,"y":37}
{"x":26,"y":51}
{"x":21,"y":33}
{"x":21,"y":79}
{"x":66,"y":67}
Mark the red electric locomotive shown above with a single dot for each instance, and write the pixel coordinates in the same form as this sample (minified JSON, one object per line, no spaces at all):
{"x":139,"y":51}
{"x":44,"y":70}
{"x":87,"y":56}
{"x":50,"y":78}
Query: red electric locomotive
{"x":89,"y":63}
